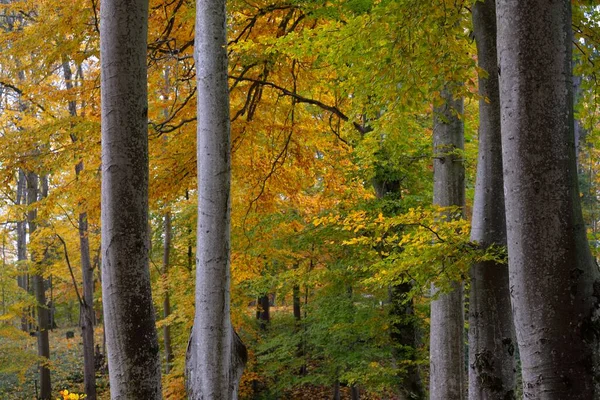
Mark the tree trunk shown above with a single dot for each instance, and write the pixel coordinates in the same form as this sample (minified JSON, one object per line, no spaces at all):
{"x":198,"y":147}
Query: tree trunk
{"x":403,"y":327}
{"x":404,"y":335}
{"x":212,"y":363}
{"x":43,"y":320}
{"x":166,"y":253}
{"x":166,"y":300}
{"x":492,"y":363}
{"x":297,"y":310}
{"x":129,"y":320}
{"x":296,"y":303}
{"x":355,"y":392}
{"x":263,"y":313}
{"x":447,"y":322}
{"x":86,"y":310}
{"x":553,"y":280}
{"x":22,"y":278}
{"x":336,"y":391}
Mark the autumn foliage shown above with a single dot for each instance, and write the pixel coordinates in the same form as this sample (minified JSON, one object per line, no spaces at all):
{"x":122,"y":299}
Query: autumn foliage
{"x":330,"y":101}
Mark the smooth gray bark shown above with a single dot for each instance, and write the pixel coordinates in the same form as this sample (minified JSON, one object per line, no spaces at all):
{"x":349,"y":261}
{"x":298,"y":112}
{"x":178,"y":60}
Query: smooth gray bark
{"x":553,"y":279}
{"x":447,"y":372}
{"x":86,"y":310}
{"x":492,"y":366}
{"x":129,"y":320}
{"x":43,"y":317}
{"x":214,"y":355}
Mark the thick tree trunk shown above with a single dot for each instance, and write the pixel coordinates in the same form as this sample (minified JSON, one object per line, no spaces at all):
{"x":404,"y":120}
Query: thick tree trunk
{"x":129,"y":320}
{"x":212,"y":362}
{"x":43,"y":320}
{"x":166,"y":300}
{"x":553,"y":280}
{"x":86,"y":310}
{"x":447,"y":372}
{"x":492,"y":342}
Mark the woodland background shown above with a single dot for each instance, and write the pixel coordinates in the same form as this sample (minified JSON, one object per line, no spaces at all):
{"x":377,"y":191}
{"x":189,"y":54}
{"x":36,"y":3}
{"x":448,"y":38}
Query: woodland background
{"x":331,"y":102}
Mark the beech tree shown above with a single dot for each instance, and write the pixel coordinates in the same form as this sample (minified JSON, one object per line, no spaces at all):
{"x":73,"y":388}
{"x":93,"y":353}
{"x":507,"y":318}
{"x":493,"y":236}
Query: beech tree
{"x":87,"y":273}
{"x":447,"y":374}
{"x":43,"y":314}
{"x":492,"y":366}
{"x":553,"y":279}
{"x":215,"y":356}
{"x":131,"y":339}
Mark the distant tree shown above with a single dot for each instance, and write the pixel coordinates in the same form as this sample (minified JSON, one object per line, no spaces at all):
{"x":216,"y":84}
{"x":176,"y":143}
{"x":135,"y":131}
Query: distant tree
{"x":87,"y":272}
{"x":42,"y":311}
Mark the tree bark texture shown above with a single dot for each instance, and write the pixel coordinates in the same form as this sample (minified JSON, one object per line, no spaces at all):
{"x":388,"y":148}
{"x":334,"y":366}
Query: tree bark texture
{"x":43,"y":314}
{"x":492,"y":365}
{"x":553,"y":280}
{"x":447,"y":372}
{"x":86,"y":310}
{"x":129,"y":320}
{"x":212,"y":363}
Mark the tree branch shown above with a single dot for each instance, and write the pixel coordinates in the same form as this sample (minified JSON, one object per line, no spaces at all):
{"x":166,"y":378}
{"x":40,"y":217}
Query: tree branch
{"x":301,"y":99}
{"x":81,"y":301}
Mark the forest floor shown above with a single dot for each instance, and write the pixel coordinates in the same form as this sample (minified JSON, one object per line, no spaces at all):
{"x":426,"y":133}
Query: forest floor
{"x":19,"y":373}
{"x":19,"y":377}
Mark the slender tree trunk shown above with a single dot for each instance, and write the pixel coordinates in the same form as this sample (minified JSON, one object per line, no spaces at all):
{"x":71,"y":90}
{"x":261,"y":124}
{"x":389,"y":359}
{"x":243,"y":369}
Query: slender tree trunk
{"x":43,"y":345}
{"x":214,"y":353}
{"x":404,"y":335}
{"x":263,"y":313}
{"x":22,"y":278}
{"x":166,"y":300}
{"x":297,"y":310}
{"x":553,"y":279}
{"x":447,"y":372}
{"x":129,"y":320}
{"x":166,"y":255}
{"x":492,"y":342}
{"x":3,"y":281}
{"x":336,"y":391}
{"x":86,"y":311}
{"x":355,"y":392}
{"x":296,"y":303}
{"x":190,"y":251}
{"x":403,"y":327}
